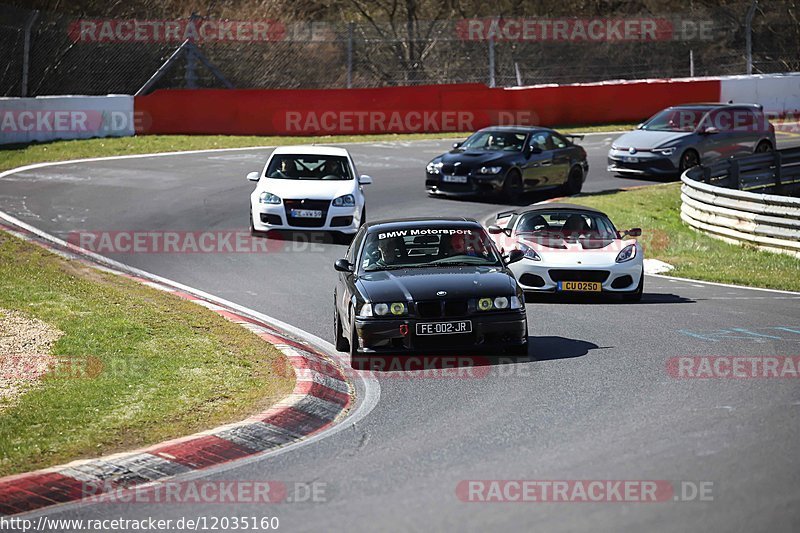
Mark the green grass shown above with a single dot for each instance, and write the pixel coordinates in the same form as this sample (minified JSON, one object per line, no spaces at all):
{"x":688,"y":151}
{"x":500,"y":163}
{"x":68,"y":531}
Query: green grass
{"x":163,"y":366}
{"x":656,"y":210}
{"x":13,"y":156}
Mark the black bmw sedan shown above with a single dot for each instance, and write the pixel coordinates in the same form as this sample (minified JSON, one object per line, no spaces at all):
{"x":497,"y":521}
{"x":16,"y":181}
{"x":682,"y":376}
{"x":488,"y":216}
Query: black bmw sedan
{"x":509,"y":160}
{"x":427,"y":285}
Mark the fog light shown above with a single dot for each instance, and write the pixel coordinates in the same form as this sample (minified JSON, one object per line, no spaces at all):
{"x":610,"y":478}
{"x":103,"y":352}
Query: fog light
{"x":484,"y":304}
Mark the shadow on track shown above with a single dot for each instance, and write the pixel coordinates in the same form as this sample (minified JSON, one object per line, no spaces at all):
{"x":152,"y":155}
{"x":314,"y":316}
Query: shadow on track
{"x":445,"y":364}
{"x":589,"y":299}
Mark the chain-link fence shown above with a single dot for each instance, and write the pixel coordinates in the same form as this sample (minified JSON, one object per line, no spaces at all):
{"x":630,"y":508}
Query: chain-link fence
{"x":50,"y":53}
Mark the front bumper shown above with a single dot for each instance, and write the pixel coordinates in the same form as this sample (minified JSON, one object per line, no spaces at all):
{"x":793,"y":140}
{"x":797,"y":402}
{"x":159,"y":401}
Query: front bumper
{"x":533,"y":276}
{"x":643,"y":163}
{"x":489,"y":330}
{"x":268,"y":217}
{"x":475,"y":184}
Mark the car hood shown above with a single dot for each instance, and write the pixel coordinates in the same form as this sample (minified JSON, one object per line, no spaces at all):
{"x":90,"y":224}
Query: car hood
{"x":312,"y":189}
{"x":473,"y":158}
{"x":645,"y":140}
{"x":424,"y":283}
{"x":595,"y":252}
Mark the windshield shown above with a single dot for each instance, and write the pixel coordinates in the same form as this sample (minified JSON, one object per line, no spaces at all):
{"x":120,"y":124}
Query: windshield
{"x":680,"y":119}
{"x":428,"y":248}
{"x":566,"y":225}
{"x":507,"y":141}
{"x":309,"y":167}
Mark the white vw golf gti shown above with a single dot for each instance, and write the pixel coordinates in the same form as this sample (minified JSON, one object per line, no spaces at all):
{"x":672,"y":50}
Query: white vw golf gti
{"x":308,"y":188}
{"x":571,"y":248}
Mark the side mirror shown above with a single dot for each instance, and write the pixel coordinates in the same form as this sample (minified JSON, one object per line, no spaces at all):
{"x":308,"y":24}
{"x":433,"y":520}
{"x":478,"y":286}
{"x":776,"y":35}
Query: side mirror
{"x":710,"y":130}
{"x":635,"y":232}
{"x":515,"y":255}
{"x":363,"y":179}
{"x":343,"y":265}
{"x":494,"y":229}
{"x":253,"y":176}
{"x":457,"y":145}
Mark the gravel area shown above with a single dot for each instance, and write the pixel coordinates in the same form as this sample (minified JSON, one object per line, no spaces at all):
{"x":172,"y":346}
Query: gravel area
{"x":25,"y":344}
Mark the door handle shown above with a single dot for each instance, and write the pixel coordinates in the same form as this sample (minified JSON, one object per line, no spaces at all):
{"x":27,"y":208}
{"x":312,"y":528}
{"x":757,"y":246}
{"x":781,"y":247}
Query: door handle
{"x":547,"y":163}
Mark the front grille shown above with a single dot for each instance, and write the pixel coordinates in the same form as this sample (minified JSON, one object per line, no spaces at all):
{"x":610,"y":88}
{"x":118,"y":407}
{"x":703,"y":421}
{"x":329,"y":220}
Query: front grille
{"x":579,"y":275}
{"x":274,"y":220}
{"x":455,"y":170}
{"x":622,"y":282}
{"x":341,"y":221}
{"x":442,"y":308}
{"x":531,"y":280}
{"x":660,"y":163}
{"x":317,"y":205}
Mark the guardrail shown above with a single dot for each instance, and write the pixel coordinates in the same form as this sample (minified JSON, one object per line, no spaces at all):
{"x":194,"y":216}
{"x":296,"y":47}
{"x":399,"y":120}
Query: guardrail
{"x":712,"y":202}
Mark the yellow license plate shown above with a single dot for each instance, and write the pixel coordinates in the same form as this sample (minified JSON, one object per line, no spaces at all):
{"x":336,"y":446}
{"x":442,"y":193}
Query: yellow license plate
{"x":580,"y":286}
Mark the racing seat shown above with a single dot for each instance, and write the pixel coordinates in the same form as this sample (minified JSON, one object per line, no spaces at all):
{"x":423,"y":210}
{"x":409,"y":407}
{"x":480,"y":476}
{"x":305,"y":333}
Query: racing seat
{"x":534,"y":223}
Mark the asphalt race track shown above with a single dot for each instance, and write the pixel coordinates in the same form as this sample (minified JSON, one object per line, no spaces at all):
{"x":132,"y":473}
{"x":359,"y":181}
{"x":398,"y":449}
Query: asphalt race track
{"x":593,"y":400}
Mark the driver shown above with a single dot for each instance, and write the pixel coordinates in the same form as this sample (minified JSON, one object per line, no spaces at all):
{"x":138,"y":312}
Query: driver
{"x":331,"y":168}
{"x":385,"y":253}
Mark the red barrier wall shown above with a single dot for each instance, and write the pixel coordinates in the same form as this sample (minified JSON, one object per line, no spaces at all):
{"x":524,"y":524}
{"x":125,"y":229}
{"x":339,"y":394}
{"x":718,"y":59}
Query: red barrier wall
{"x":430,"y":108}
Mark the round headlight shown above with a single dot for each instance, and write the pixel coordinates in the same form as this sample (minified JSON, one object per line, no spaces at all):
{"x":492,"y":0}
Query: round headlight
{"x":381,"y":309}
{"x":398,"y":308}
{"x":501,"y":302}
{"x":484,"y":304}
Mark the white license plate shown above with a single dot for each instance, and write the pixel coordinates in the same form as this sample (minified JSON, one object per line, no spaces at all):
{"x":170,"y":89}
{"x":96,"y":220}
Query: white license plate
{"x":444,"y":328}
{"x":631,"y":159}
{"x":306,"y":213}
{"x":454,"y":179}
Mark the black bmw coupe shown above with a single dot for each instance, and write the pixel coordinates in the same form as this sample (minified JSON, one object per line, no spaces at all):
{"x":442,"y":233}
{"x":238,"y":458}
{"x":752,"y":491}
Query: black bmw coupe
{"x":427,"y":284}
{"x":509,"y":161}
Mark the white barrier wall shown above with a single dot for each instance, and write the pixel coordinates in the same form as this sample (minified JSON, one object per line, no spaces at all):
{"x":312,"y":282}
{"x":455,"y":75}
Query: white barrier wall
{"x":48,"y":118}
{"x":778,"y":93}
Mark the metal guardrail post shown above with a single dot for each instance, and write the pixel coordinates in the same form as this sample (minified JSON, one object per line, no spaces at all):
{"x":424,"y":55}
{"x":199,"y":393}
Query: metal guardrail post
{"x":707,"y":175}
{"x":26,"y":53}
{"x":777,"y":173}
{"x":734,"y":173}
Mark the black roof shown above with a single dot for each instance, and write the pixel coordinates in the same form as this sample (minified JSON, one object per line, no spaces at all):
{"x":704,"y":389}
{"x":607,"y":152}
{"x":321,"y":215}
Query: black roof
{"x":555,"y":206}
{"x":714,"y":105}
{"x":516,"y":129}
{"x":423,"y":222}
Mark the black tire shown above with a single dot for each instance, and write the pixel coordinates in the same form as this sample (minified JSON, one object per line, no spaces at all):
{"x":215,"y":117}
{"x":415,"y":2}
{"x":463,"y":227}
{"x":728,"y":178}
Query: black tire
{"x":574,"y":182}
{"x":342,"y":344}
{"x":635,"y":296}
{"x":512,"y":186}
{"x":763,"y":147}
{"x":689,"y":159}
{"x":342,"y":238}
{"x":363,"y":216}
{"x":353,"y":341}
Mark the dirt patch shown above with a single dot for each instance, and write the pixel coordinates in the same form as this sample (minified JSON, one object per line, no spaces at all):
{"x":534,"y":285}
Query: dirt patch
{"x":25,"y":344}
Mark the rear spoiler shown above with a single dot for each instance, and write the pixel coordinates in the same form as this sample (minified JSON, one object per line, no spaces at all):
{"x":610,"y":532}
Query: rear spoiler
{"x":573,"y":136}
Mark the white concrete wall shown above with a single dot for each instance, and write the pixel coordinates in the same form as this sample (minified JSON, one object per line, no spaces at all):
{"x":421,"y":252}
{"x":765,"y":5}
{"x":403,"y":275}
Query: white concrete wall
{"x":778,"y":93}
{"x":47,"y":118}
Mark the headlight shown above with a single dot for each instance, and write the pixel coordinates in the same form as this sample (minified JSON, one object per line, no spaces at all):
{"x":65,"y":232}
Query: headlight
{"x":383,"y":309}
{"x":614,"y":147}
{"x":665,"y":151}
{"x":499,"y":303}
{"x":366,"y":311}
{"x":434,"y":168}
{"x":530,"y":253}
{"x":348,"y":200}
{"x":485,"y":304}
{"x":490,"y":170}
{"x":627,"y":253}
{"x":268,"y":198}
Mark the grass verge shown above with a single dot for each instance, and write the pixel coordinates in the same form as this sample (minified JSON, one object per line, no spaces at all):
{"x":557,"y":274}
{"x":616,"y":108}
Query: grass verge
{"x":656,"y":210}
{"x":18,"y":155}
{"x":158,"y":366}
